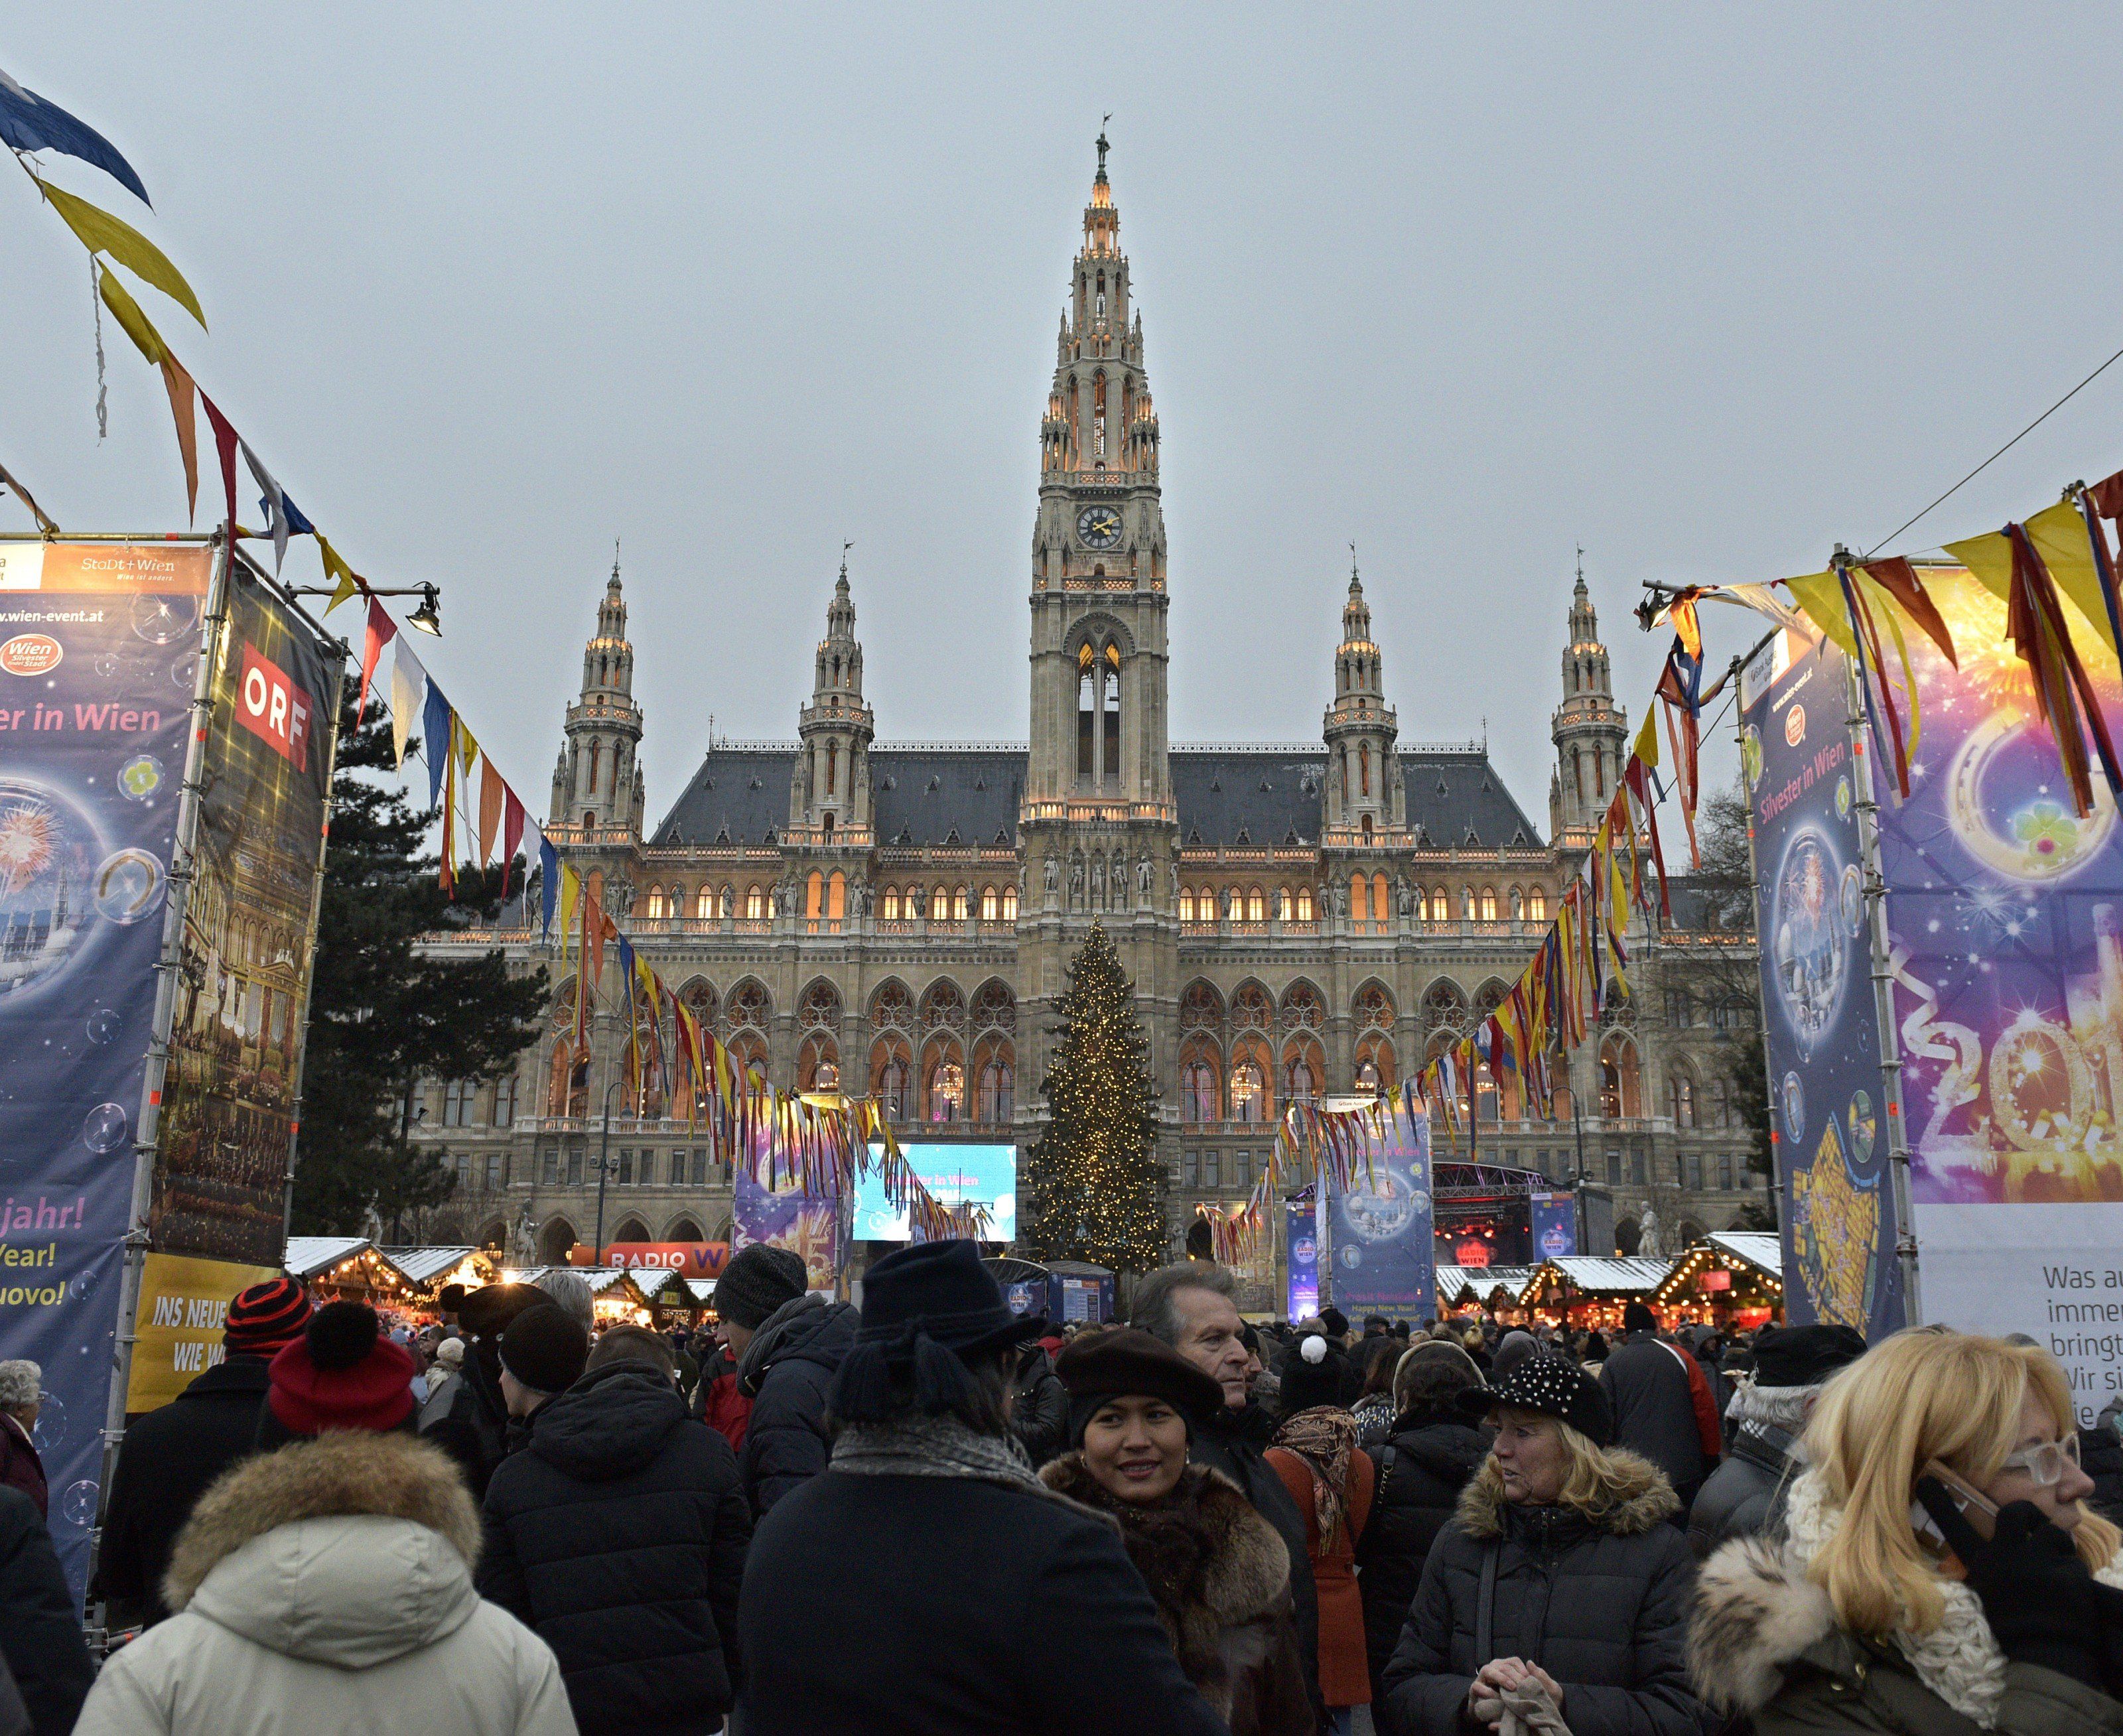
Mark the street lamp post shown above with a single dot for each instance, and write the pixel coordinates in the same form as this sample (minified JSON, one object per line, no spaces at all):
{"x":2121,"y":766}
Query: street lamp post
{"x":604,"y":1169}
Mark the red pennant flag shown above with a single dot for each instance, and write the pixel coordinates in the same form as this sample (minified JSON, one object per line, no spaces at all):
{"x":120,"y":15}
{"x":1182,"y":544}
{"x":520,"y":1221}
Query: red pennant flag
{"x":224,"y":444}
{"x":381,"y":630}
{"x":511,"y":835}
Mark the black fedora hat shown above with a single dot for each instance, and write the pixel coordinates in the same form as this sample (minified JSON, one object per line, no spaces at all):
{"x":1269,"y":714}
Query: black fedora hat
{"x":926,"y":1309}
{"x":1549,"y":1386}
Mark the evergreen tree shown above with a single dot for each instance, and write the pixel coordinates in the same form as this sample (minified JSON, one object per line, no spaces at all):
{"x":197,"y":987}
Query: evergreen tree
{"x":1095,"y":1171}
{"x":381,"y":1016}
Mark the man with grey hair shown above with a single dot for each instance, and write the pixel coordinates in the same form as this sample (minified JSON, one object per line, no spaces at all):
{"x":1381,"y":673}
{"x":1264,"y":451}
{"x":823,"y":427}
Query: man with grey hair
{"x":1190,"y":1306}
{"x":21,"y":1395}
{"x":570,"y":1292}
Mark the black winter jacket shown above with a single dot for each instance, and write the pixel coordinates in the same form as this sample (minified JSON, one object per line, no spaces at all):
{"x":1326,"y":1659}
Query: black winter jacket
{"x":1647,"y":1383}
{"x":166,"y":1462}
{"x":1744,"y":1497}
{"x":1601,"y":1604}
{"x":2100,"y":1457}
{"x":1234,"y":1441}
{"x":1039,"y":1409}
{"x":1423,"y":1463}
{"x":936,"y":1604}
{"x":619,"y":1534}
{"x":786,"y":1371}
{"x":39,"y":1628}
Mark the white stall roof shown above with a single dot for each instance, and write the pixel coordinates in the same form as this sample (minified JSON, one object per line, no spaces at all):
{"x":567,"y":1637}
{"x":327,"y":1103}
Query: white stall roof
{"x":1762,"y":1249}
{"x":309,"y":1255}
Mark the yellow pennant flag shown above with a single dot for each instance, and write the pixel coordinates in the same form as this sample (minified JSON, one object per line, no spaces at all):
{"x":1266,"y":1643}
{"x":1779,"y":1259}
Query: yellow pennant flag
{"x":1819,"y":599}
{"x":180,"y":390}
{"x":127,"y":311}
{"x":101,"y":232}
{"x":571,"y":887}
{"x":1647,"y":747}
{"x":336,"y":568}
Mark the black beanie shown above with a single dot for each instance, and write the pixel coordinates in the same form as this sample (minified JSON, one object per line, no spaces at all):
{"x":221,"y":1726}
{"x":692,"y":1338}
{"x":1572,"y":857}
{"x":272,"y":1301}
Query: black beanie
{"x":1804,"y":1356}
{"x":1636,"y":1318}
{"x":544,"y":1348}
{"x":1310,"y":1381}
{"x":758,"y":1280}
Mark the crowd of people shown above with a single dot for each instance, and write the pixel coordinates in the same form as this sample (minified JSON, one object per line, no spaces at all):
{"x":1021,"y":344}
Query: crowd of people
{"x":930,"y":1514}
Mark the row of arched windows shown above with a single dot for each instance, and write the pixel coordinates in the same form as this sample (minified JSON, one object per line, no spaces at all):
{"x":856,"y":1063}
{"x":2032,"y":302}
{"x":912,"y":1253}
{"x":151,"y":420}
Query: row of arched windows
{"x":826,"y":896}
{"x":948,"y":904}
{"x":1370,"y":899}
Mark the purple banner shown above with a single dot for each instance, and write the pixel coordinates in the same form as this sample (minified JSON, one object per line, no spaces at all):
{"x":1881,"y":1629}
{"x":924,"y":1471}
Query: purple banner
{"x":1384,"y":1258}
{"x":805,"y":1223}
{"x":1554,"y":1226}
{"x":1301,"y":1218}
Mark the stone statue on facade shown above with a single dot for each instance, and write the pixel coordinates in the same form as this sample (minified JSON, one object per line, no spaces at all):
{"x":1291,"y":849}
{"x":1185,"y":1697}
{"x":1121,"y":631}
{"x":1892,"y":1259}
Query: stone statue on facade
{"x":1404,"y":895}
{"x":1053,"y":874}
{"x":1650,"y":1243}
{"x":1142,"y":873}
{"x":523,"y":1238}
{"x":1341,"y":895}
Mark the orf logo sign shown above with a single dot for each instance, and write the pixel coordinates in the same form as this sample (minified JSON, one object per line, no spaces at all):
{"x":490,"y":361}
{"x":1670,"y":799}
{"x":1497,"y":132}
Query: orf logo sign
{"x":273,"y":709}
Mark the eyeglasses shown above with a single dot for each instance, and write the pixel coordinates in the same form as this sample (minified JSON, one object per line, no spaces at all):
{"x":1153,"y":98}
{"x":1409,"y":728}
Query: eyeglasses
{"x":2044,"y":1464}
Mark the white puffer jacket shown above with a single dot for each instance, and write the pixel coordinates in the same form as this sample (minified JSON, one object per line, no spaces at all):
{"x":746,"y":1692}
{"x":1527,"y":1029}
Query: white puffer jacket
{"x":327,"y":1588}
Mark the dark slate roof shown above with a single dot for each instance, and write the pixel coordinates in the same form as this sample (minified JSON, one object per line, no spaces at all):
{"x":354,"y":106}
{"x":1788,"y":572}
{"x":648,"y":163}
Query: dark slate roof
{"x":1269,"y":797}
{"x":1235,"y":797}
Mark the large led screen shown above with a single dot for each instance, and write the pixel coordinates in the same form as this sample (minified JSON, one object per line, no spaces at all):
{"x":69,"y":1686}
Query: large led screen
{"x":957,"y":1175}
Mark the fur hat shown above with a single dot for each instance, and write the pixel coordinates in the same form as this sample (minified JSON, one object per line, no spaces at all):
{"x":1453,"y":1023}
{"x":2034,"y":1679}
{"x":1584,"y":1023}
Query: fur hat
{"x":757,"y":1281}
{"x":266,"y":1316}
{"x":1550,"y":1386}
{"x":1130,"y":1363}
{"x":544,"y":1348}
{"x":341,"y":1373}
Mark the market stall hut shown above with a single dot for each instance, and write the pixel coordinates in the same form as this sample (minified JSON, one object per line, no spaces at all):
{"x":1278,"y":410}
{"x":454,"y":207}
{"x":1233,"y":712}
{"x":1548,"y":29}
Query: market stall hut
{"x":1733,"y":1278}
{"x":1589,"y":1290}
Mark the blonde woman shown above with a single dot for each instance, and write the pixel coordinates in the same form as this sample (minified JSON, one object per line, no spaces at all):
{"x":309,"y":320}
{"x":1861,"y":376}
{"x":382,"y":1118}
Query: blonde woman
{"x":1559,"y":1571}
{"x":1897,"y":1603}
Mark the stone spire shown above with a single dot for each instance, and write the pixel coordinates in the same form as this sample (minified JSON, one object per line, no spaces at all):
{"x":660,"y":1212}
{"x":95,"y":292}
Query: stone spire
{"x":829,"y":787}
{"x":597,"y":784}
{"x":1365,"y":799}
{"x":1589,"y":730}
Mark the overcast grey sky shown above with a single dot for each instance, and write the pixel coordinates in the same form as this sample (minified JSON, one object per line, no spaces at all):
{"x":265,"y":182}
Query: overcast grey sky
{"x":1703,"y":288}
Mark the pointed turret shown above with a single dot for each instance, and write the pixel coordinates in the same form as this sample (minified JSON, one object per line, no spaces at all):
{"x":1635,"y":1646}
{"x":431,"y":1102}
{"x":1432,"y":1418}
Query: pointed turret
{"x":1589,"y":729}
{"x":597,"y":784}
{"x":1364,"y":796}
{"x":829,"y":789}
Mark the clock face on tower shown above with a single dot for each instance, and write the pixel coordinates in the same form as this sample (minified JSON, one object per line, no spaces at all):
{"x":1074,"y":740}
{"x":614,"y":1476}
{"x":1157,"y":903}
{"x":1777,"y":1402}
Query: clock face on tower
{"x":1099,"y":527}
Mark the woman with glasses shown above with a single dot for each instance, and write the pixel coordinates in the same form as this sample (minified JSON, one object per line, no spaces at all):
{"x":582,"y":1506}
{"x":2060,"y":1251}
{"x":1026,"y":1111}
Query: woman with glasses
{"x":1940,"y":1569}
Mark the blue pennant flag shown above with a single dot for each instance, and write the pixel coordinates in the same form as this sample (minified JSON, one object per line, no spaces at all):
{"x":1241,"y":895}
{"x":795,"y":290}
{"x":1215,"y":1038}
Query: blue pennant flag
{"x":435,"y":741}
{"x":549,"y":889}
{"x":29,"y":122}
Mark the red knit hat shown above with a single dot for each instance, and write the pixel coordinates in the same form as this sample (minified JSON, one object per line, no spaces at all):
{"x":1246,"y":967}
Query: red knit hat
{"x":265,"y":1317}
{"x":341,"y":1373}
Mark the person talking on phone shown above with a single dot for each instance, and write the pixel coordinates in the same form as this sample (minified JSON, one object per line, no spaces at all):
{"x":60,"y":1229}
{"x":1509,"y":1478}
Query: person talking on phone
{"x":1940,"y":1569}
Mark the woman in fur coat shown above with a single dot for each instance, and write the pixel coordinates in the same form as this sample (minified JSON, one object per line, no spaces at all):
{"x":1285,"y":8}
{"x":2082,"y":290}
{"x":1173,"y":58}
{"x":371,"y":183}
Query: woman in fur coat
{"x":1897,"y":1604}
{"x":1559,"y":1572}
{"x":1218,"y":1572}
{"x":327,"y":1588}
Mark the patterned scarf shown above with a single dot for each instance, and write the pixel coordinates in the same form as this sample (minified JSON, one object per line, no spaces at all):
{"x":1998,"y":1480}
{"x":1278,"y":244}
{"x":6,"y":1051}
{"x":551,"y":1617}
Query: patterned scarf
{"x":915,"y":1445}
{"x":1325,"y":1438}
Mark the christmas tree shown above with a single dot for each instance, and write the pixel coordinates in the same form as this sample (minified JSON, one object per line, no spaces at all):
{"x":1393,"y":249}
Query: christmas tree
{"x":1094,"y":1172}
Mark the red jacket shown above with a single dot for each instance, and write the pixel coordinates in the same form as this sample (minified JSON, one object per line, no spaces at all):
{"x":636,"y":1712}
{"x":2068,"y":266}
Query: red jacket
{"x":722,"y":1407}
{"x":1709,"y":1425}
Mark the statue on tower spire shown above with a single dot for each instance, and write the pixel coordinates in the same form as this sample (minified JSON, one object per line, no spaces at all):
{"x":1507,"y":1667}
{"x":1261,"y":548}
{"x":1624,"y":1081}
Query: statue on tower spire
{"x":1103,"y":146}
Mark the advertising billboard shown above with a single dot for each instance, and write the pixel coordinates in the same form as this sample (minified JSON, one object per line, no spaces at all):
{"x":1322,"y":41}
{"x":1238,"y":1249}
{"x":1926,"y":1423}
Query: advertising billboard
{"x":229,"y":1096}
{"x":1384,"y":1257}
{"x":956,"y":1175}
{"x":806,"y":1224}
{"x":1554,"y":1226}
{"x":2005,"y":920}
{"x":100,"y":644}
{"x":1300,"y":1219}
{"x":1820,"y":1020}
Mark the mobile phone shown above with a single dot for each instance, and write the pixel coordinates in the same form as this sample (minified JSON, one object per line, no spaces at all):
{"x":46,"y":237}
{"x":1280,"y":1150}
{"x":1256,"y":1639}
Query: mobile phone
{"x":1977,"y":1508}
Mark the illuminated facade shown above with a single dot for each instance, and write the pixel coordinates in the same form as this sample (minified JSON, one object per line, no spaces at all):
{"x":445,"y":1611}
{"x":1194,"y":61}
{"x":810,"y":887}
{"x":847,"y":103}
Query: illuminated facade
{"x":1300,"y":918}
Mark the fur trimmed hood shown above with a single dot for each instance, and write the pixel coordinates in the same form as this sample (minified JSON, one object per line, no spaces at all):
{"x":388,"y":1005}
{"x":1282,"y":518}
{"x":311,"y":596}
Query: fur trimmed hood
{"x":349,"y":1549}
{"x":1239,"y":1565}
{"x":1639,"y":1498}
{"x":1755,"y":1614}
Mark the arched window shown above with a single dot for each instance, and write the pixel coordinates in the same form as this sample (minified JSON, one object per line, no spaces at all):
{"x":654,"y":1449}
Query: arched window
{"x":1256,"y":905}
{"x":814,"y":895}
{"x":1197,"y":1092}
{"x":1247,"y":1093}
{"x":1381,"y":904}
{"x":595,"y":747}
{"x":1680,"y":1096}
{"x":998,"y":1091}
{"x":1364,"y":768}
{"x":891,"y":903}
{"x":1360,"y":897}
{"x":1536,"y":905}
{"x":1113,"y":718}
{"x":1187,"y":904}
{"x":939,"y":904}
{"x":1087,"y":720}
{"x":703,"y":903}
{"x":1300,"y":1084}
{"x":832,"y":764}
{"x":1489,"y":904}
{"x":655,"y":902}
{"x":1441,"y":906}
{"x":892,"y":1088}
{"x":958,"y":904}
{"x":1233,"y":906}
{"x":947,"y":1089}
{"x":1284,"y":909}
{"x":1367,"y":1076}
{"x":1305,"y":904}
{"x":836,"y":896}
{"x":1010,"y":904}
{"x":990,"y":904}
{"x":755,"y":903}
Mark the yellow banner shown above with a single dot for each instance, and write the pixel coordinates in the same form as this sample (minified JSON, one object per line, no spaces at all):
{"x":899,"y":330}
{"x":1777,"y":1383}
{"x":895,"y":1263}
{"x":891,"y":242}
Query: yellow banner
{"x":183,"y":1304}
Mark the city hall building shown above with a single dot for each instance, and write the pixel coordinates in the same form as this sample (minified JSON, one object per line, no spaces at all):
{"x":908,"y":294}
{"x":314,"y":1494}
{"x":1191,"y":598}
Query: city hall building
{"x":1298,"y":918}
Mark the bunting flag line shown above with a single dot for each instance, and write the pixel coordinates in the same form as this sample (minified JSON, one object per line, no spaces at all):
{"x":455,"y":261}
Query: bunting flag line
{"x":380,"y":631}
{"x":408,"y":688}
{"x":225,"y":443}
{"x":283,"y":518}
{"x":101,"y":232}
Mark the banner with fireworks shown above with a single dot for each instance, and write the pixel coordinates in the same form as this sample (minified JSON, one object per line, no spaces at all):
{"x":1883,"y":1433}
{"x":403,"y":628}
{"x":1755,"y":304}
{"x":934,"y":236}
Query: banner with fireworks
{"x":1819,"y":1026}
{"x":235,"y":1070}
{"x":98,"y":657}
{"x":1302,"y":1227}
{"x":1383,"y":1254}
{"x":2005,"y":915}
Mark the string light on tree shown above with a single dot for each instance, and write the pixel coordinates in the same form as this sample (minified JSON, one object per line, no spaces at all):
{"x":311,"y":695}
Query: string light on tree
{"x":1095,"y":1171}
